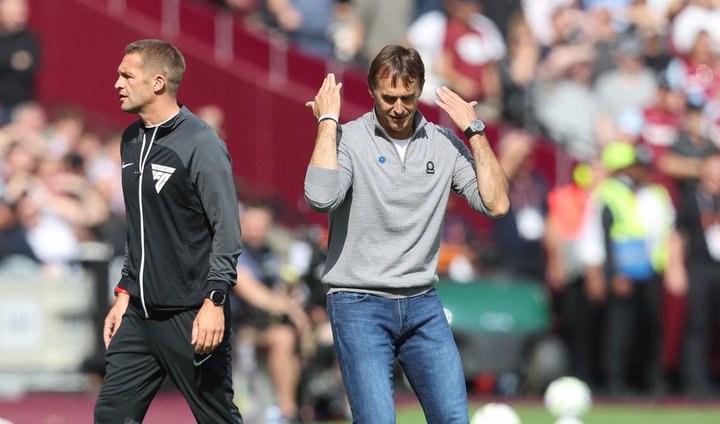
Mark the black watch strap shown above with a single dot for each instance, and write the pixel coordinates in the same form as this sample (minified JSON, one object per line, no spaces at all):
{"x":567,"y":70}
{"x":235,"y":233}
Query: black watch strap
{"x":469,"y":132}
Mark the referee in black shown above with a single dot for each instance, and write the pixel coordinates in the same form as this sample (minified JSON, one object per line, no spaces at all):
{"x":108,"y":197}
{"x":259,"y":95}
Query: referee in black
{"x":170,"y":317}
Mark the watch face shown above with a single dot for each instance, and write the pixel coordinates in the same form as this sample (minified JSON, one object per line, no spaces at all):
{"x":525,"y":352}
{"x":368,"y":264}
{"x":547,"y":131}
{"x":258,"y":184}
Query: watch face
{"x":217,"y":297}
{"x":477,"y":125}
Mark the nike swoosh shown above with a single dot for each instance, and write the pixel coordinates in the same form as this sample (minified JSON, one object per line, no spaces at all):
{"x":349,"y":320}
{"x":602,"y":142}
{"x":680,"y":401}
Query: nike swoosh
{"x":200,"y":362}
{"x":125,"y":165}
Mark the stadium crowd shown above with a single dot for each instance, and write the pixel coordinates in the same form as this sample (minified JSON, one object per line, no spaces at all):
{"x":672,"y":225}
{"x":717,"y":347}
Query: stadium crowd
{"x":593,"y":77}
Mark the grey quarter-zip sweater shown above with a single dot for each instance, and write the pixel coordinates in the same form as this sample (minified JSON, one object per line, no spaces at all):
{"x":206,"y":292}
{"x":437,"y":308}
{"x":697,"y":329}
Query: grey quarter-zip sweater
{"x":386,"y":215}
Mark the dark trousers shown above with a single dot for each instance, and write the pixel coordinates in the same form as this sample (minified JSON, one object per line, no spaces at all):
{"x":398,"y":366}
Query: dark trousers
{"x":144,"y":351}
{"x":703,"y":299}
{"x":580,"y":328}
{"x":633,"y":335}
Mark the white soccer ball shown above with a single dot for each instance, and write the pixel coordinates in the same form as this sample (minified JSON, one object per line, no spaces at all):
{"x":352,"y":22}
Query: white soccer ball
{"x":568,"y":397}
{"x":495,"y":413}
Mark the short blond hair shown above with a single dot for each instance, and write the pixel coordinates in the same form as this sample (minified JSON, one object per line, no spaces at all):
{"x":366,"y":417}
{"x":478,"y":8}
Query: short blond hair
{"x":160,"y":57}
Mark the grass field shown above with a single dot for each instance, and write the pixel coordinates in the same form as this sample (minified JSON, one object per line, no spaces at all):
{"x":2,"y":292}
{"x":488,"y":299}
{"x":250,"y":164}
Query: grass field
{"x":76,"y":408}
{"x":706,"y":413}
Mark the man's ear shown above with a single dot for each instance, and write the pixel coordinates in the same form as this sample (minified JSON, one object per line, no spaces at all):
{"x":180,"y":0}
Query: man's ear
{"x":159,"y":83}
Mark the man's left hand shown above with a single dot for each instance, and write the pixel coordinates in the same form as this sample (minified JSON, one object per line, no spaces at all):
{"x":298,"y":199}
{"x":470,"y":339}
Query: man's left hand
{"x":208,"y":328}
{"x":460,"y":111}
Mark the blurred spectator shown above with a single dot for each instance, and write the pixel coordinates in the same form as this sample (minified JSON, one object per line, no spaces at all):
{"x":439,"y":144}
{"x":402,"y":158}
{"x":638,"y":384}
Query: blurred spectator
{"x":564,"y":101}
{"x":696,"y":66}
{"x":520,"y":234}
{"x":518,"y":71}
{"x":28,"y":124}
{"x":213,"y":115}
{"x":266,"y":312}
{"x":13,"y":235}
{"x":578,"y":311}
{"x":501,"y":12}
{"x":695,"y":18}
{"x":694,"y":271}
{"x":624,"y":248}
{"x":630,"y":86}
{"x":65,"y":131}
{"x":617,"y":9}
{"x":307,"y":23}
{"x":598,"y":29}
{"x":428,"y":36}
{"x":471,"y":50}
{"x":682,"y":160}
{"x":662,"y":119}
{"x":382,"y":22}
{"x":658,"y":126}
{"x":458,"y":245}
{"x":19,"y":57}
{"x":104,"y":172}
{"x":653,"y":16}
{"x":552,"y":21}
{"x":424,"y":6}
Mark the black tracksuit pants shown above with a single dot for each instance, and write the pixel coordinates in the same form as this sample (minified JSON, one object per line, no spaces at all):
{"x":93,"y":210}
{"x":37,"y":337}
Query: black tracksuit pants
{"x":145,"y":351}
{"x":703,"y":301}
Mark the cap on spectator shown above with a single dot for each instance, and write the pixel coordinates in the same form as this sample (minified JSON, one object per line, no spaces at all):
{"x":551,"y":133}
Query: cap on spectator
{"x":618,"y":155}
{"x":583,"y":175}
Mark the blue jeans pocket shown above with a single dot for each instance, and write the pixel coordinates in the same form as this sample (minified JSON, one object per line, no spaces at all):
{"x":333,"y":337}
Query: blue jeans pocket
{"x":348,"y":297}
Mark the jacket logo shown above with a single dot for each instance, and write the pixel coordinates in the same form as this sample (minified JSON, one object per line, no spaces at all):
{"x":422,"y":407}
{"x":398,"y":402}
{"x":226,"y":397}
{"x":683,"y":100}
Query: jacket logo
{"x":161,"y":174}
{"x":430,"y":168}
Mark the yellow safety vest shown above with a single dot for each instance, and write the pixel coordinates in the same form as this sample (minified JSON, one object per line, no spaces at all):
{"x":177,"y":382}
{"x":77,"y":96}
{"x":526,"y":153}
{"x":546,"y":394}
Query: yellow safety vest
{"x":638,"y":250}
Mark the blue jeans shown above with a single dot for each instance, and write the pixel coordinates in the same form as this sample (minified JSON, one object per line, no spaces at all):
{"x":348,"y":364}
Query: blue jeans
{"x":371,"y":331}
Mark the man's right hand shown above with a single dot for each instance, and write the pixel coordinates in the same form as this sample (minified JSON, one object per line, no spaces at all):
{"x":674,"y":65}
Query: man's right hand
{"x":327,"y":101}
{"x":114,"y":317}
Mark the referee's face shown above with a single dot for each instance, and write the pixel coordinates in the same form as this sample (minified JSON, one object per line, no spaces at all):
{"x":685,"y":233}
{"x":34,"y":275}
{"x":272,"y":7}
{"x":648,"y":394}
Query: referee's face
{"x":135,"y":90}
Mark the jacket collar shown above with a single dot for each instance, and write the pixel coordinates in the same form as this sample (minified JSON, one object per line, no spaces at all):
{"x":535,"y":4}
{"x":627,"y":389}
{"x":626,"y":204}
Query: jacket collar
{"x":371,"y":122}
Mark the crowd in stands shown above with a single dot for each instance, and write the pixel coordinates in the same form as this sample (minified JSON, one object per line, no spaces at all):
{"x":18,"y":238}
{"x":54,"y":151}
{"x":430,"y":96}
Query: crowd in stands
{"x":585,"y":75}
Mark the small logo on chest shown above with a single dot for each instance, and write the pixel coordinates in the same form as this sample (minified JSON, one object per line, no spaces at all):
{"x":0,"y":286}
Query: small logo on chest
{"x":430,"y":168}
{"x":161,"y":174}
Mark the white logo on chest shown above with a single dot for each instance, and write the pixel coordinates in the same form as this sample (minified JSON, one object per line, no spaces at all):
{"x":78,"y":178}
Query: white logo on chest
{"x":161,"y":174}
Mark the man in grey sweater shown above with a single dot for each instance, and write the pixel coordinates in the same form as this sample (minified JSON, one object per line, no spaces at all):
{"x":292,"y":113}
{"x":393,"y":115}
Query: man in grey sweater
{"x":385,"y":179}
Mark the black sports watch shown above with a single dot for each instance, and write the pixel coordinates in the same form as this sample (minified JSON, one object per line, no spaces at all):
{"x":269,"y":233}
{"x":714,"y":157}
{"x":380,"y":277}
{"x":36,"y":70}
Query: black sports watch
{"x":476,"y":127}
{"x":218,"y":297}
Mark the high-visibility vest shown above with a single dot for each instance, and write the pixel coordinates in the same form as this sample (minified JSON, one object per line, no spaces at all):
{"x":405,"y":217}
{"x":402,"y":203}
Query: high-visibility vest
{"x":640,"y":230}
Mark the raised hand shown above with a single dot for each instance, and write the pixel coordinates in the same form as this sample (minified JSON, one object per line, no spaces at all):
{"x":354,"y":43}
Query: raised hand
{"x":460,"y":111}
{"x":327,"y":101}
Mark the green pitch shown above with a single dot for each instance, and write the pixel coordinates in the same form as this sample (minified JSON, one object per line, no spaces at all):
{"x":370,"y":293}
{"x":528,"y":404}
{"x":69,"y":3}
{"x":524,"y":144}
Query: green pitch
{"x":602,"y":414}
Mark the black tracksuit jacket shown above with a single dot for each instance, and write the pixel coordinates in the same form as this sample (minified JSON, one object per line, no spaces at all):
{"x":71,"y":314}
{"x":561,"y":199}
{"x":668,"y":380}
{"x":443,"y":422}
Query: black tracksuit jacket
{"x":183,"y":230}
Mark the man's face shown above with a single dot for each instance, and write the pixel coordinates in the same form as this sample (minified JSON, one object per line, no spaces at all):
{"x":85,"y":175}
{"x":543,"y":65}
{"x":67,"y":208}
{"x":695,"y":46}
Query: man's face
{"x":395,"y":106}
{"x":255,"y":223}
{"x":134,"y":88}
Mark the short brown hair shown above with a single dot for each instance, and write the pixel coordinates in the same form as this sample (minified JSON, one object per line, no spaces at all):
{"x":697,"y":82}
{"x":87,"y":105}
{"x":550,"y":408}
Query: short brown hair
{"x":397,"y":62}
{"x":160,"y":57}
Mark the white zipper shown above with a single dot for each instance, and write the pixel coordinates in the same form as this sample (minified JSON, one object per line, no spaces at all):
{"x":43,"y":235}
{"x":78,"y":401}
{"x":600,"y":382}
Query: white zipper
{"x":143,"y":161}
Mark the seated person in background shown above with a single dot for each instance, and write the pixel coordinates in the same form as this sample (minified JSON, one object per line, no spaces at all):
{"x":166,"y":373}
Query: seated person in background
{"x":265,"y":309}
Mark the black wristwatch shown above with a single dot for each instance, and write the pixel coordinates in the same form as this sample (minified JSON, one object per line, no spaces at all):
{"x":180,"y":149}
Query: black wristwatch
{"x":476,"y":127}
{"x":218,"y":297}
